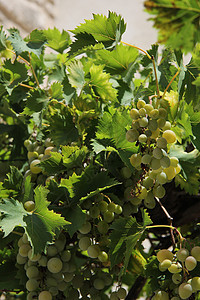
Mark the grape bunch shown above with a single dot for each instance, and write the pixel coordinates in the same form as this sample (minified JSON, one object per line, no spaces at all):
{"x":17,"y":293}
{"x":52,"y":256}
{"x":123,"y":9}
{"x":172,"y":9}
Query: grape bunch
{"x":153,"y":134}
{"x":183,"y":268}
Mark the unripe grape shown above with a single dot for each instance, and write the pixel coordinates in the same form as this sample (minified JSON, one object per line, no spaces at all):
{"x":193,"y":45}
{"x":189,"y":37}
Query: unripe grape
{"x":93,"y":251}
{"x":155,"y":163}
{"x":135,"y":160}
{"x":185,"y":290}
{"x":21,"y":260}
{"x":24,"y":249}
{"x":33,"y":155}
{"x":94,"y":212}
{"x":126,"y":172}
{"x":142,"y":192}
{"x":48,"y":142}
{"x":121,"y":293}
{"x":141,"y":103}
{"x":190,"y":263}
{"x":196,"y":252}
{"x":167,"y":126}
{"x":84,"y":243}
{"x":153,"y":125}
{"x":176,"y":278}
{"x":32,"y":272}
{"x":45,"y":295}
{"x":42,"y":261}
{"x":48,"y":150}
{"x":102,"y":227}
{"x":161,"y":143}
{"x":32,"y":285}
{"x":164,"y":254}
{"x":113,"y":296}
{"x":148,"y":108}
{"x":164,"y":265}
{"x":35,"y":169}
{"x":135,"y":201}
{"x":134,"y":114}
{"x":60,"y":242}
{"x":65,"y":255}
{"x":29,"y":205}
{"x":182,"y":254}
{"x":142,"y":112}
{"x":162,"y":113}
{"x":175,"y":298}
{"x":103,"y":256}
{"x":52,"y":250}
{"x":108,"y":216}
{"x":143,"y":122}
{"x":165,"y":162}
{"x":111,"y":206}
{"x":85,"y":228}
{"x":135,"y":125}
{"x":157,"y":153}
{"x":132,"y":135}
{"x":161,"y":123}
{"x":155,"y":134}
{"x":142,"y":138}
{"x":170,"y":172}
{"x":161,"y":295}
{"x":103,"y":206}
{"x":174,"y":161}
{"x":33,"y":257}
{"x":147,"y":182}
{"x":54,"y":265}
{"x":146,"y":159}
{"x":31,"y":296}
{"x":195,"y":282}
{"x":154,"y":113}
{"x":170,"y":136}
{"x":68,"y":277}
{"x":161,"y":178}
{"x":175,"y":268}
{"x":27,"y":143}
{"x":159,"y":191}
{"x":118,"y":209}
{"x":99,"y":284}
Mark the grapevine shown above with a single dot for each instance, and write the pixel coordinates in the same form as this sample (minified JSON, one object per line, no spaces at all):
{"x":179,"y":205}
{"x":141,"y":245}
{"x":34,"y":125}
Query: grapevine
{"x":102,"y":163}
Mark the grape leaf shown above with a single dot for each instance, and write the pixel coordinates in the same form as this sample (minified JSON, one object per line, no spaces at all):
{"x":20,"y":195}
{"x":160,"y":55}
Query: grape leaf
{"x":8,"y":271}
{"x":53,"y":164}
{"x":56,"y":91}
{"x":76,"y":74}
{"x":36,"y":101}
{"x":28,"y":190}
{"x":42,"y":223}
{"x":3,"y":39}
{"x":13,"y":214}
{"x":57,"y":40}
{"x":76,"y":216}
{"x":14,"y":180}
{"x":34,"y":43}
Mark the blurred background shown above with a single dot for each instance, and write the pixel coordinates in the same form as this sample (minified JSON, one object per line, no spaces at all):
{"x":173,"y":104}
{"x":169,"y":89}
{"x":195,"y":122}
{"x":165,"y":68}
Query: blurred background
{"x":27,"y":15}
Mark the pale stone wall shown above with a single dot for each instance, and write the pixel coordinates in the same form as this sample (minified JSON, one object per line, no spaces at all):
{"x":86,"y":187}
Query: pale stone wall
{"x":27,"y":15}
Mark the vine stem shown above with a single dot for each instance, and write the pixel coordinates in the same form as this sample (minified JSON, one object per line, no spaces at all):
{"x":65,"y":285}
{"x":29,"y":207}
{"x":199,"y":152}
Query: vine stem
{"x":167,"y":226}
{"x":37,"y":82}
{"x":145,"y":52}
{"x":170,"y":83}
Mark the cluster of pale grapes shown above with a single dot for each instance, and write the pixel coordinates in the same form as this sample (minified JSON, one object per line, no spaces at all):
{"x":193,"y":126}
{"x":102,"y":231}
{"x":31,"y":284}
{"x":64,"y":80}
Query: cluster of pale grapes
{"x":55,"y":273}
{"x":179,"y":265}
{"x":152,"y":132}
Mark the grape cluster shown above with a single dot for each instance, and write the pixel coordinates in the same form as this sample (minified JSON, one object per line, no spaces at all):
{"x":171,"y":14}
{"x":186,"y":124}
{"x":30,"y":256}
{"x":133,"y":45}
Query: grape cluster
{"x":179,"y":265}
{"x":55,"y":273}
{"x":152,"y":132}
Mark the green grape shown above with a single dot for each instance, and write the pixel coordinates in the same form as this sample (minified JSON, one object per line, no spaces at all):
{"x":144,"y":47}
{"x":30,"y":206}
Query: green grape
{"x":167,"y":126}
{"x":161,"y":295}
{"x":165,"y":162}
{"x":195,"y":282}
{"x":149,"y":201}
{"x":174,"y":161}
{"x":148,"y":108}
{"x":32,"y":272}
{"x":164,"y":265}
{"x":32,"y":155}
{"x":185,"y":290}
{"x":143,"y":122}
{"x":65,"y":255}
{"x":135,"y":125}
{"x":175,"y":268}
{"x":142,"y":112}
{"x":32,"y":285}
{"x":170,"y":172}
{"x":113,"y":296}
{"x":99,"y":284}
{"x":161,"y":178}
{"x":154,"y":113}
{"x":141,"y":103}
{"x":48,"y":150}
{"x":175,"y":298}
{"x":31,"y":296}
{"x":85,"y":228}
{"x":142,"y":192}
{"x":121,"y":293}
{"x":72,"y":267}
{"x":60,"y":242}
{"x":94,"y":212}
{"x":24,"y":249}
{"x":43,"y":261}
{"x":153,"y":125}
{"x":102,"y":227}
{"x":20,"y":242}
{"x":146,"y":159}
{"x":27,"y":143}
{"x":132,"y":135}
{"x":162,"y":113}
{"x":159,"y":191}
{"x":161,"y":143}
{"x":40,"y":150}
{"x":53,"y":290}
{"x":126,"y":172}
{"x":161,"y":123}
{"x":84,"y":243}
{"x":48,"y":142}
{"x":58,"y":276}
{"x":155,"y":163}
{"x":164,"y":254}
{"x":142,"y":138}
{"x":190,"y":263}
{"x":157,"y":153}
{"x":21,"y":260}
{"x":103,"y":256}
{"x":62,"y":286}
{"x":108,"y":216}
{"x":52,"y":250}
{"x":45,"y":295}
{"x":54,"y":265}
{"x":68,"y":277}
{"x":107,"y":279}
{"x":136,"y":201}
{"x":135,"y":160}
{"x":77,"y":281}
{"x":181,"y":254}
{"x":170,"y":136}
{"x":103,"y":206}
{"x":118,"y":209}
{"x":29,"y":205}
{"x":147,"y":182}
{"x":50,"y":281}
{"x":134,"y":114}
{"x":93,"y":251}
{"x":196,"y":252}
{"x":111,"y":207}
{"x":177,"y":278}
{"x":25,"y":238}
{"x":33,"y":257}
{"x":35,"y":169}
